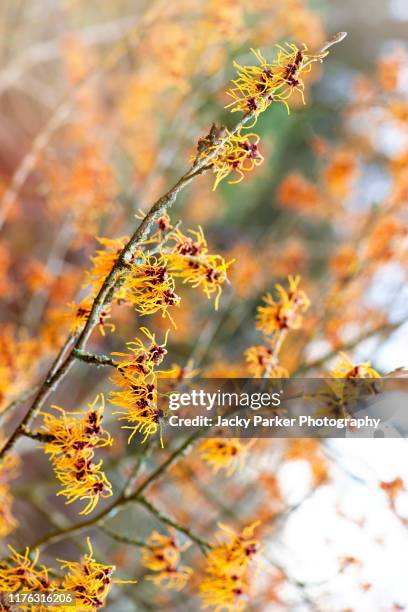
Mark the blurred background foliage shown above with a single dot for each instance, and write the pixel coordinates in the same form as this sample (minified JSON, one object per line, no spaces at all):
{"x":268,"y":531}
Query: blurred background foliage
{"x":101,"y":108}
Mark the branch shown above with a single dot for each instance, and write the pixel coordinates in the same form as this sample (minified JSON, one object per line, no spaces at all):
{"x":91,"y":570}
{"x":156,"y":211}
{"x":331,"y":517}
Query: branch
{"x":105,"y":295}
{"x":114,"y":507}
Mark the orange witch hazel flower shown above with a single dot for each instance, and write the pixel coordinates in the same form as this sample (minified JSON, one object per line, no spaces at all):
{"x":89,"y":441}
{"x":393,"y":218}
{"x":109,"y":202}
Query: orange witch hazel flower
{"x":79,"y":314}
{"x":261,"y":359}
{"x":226,"y":585}
{"x":71,"y":440}
{"x":286,"y":312}
{"x":104,"y":260}
{"x":191,"y":261}
{"x":162,"y":555}
{"x":89,"y":580}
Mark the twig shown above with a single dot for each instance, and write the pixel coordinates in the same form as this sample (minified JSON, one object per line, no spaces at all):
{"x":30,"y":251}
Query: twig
{"x":60,"y":115}
{"x":37,"y":435}
{"x":98,"y":360}
{"x":347,"y":346}
{"x":163,"y":518}
{"x":25,"y":395}
{"x":123,"y":539}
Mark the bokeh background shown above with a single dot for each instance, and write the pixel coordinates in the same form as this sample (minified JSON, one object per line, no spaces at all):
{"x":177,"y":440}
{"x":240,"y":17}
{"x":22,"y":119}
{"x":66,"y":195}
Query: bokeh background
{"x":101,"y":106}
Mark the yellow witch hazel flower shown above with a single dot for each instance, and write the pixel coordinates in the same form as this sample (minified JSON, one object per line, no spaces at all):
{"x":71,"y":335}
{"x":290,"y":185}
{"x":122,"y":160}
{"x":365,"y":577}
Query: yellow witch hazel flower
{"x":191,"y":261}
{"x":227,"y":454}
{"x":239,"y":154}
{"x":89,"y":580}
{"x":20,"y":573}
{"x":162,"y":555}
{"x":343,"y":393}
{"x":258,"y":86}
{"x":347,"y":369}
{"x":139,"y":400}
{"x":226,"y":586}
{"x":345,"y":386}
{"x":148,"y":286}
{"x":142,"y":359}
{"x":71,"y":440}
{"x":9,"y":470}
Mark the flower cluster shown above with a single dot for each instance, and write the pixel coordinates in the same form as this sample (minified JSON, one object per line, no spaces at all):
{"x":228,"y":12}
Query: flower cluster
{"x":190,"y":260}
{"x":342,"y":394}
{"x":103,"y":261}
{"x":162,"y":555}
{"x":148,"y":286}
{"x":79,"y":314}
{"x":136,"y":379}
{"x":144,"y":284}
{"x":257,"y":86}
{"x":226,"y":585}
{"x":258,"y":360}
{"x":71,"y":440}
{"x":88,"y":580}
